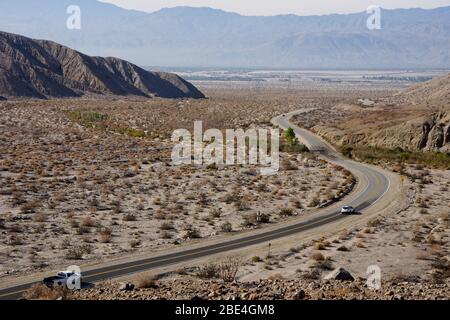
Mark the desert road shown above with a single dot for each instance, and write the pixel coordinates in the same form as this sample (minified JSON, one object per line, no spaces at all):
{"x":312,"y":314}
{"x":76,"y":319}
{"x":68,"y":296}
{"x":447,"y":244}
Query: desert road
{"x":374,"y":185}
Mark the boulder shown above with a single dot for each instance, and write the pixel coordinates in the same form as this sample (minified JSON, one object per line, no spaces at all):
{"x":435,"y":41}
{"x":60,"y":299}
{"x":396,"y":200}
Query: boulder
{"x":300,"y":295}
{"x":340,"y":274}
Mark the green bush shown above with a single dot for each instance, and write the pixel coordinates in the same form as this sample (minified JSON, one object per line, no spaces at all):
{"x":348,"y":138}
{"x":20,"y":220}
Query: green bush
{"x":375,"y":155}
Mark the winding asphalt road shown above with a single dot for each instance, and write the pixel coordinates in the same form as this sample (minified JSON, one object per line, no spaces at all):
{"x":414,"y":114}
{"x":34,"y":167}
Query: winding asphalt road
{"x":375,"y":185}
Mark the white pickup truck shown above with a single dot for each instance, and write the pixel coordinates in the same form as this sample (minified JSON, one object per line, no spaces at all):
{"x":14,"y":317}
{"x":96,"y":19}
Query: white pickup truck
{"x":69,"y":279}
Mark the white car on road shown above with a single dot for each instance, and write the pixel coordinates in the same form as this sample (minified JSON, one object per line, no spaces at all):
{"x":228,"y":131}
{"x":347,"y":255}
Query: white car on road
{"x":348,"y":210}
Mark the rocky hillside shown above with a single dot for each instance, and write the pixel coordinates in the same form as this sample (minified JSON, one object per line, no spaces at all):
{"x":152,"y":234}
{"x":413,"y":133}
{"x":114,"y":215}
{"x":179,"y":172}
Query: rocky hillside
{"x":434,"y":91}
{"x":44,"y":69}
{"x":417,"y":119}
{"x":425,"y":133}
{"x":430,"y":133}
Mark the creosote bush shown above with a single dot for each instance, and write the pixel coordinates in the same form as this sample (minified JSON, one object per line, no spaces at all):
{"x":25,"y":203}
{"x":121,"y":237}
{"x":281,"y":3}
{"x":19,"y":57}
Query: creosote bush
{"x":225,"y":270}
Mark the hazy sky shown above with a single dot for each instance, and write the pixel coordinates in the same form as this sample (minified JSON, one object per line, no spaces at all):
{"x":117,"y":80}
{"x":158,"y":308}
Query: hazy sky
{"x":272,"y":7}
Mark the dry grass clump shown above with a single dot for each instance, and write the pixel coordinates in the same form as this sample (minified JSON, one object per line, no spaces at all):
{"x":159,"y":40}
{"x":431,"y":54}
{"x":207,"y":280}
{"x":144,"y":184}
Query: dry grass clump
{"x":318,"y":256}
{"x":42,"y":292}
{"x":105,"y":235}
{"x":145,"y":281}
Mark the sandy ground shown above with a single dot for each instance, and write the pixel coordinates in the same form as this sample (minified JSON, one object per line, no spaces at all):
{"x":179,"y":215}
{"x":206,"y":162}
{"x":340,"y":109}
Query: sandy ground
{"x":411,"y":244}
{"x":81,"y":184}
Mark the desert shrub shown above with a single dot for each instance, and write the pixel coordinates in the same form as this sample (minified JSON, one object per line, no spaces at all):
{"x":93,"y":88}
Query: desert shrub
{"x":145,"y":281}
{"x":342,"y":248}
{"x":215,"y":213}
{"x":229,"y":268}
{"x":42,"y":292}
{"x":294,"y":250}
{"x":421,"y":203}
{"x":314,"y":202}
{"x":40,"y":217}
{"x":286,"y":212}
{"x":442,"y":270}
{"x":346,"y":150}
{"x":256,"y":259}
{"x":226,"y":227}
{"x":86,"y":118}
{"x":294,"y":148}
{"x":166,"y":235}
{"x":77,"y":252}
{"x":88,"y":222}
{"x":248,"y":220}
{"x":105,"y":235}
{"x":17,"y":198}
{"x":318,"y":256}
{"x":212,"y":167}
{"x":166,"y":226}
{"x":14,"y":241}
{"x":105,"y":238}
{"x":192,"y":233}
{"x":116,"y":207}
{"x":289,"y":135}
{"x":323,"y":264}
{"x":373,"y":223}
{"x":288,"y":165}
{"x":313,"y":274}
{"x":160,"y":214}
{"x":208,"y":271}
{"x":129,"y":217}
{"x":225,"y":270}
{"x":242,"y":204}
{"x":15,"y":228}
{"x":297,"y":204}
{"x":320,"y":246}
{"x":29,"y":207}
{"x":83,"y":230}
{"x":263,"y":218}
{"x":132,"y":132}
{"x":135,"y":243}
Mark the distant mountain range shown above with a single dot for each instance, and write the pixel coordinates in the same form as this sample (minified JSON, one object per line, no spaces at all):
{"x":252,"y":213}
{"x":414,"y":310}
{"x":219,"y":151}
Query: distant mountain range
{"x":43,"y":69}
{"x":204,"y":37}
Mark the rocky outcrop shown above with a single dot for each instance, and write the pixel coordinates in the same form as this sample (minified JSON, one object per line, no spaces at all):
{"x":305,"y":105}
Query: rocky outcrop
{"x":422,"y":134}
{"x":43,"y":69}
{"x":427,"y":133}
